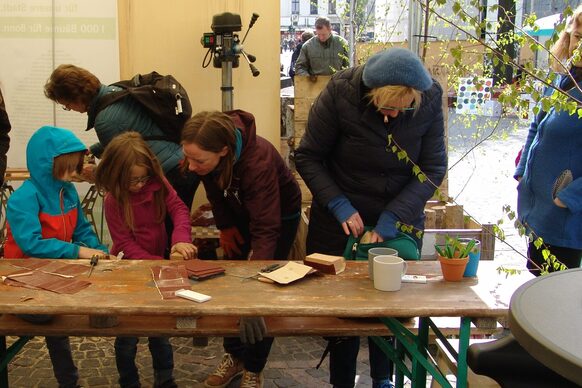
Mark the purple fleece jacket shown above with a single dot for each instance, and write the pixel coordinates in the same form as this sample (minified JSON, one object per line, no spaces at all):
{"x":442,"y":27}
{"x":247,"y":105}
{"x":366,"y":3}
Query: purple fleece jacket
{"x":148,"y":240}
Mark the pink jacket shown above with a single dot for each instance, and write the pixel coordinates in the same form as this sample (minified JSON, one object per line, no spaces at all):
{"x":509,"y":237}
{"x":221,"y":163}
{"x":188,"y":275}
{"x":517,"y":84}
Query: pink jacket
{"x":148,"y":240}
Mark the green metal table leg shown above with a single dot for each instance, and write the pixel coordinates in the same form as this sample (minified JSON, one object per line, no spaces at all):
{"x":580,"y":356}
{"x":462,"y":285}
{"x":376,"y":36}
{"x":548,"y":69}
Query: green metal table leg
{"x":6,"y":355}
{"x":394,"y":355}
{"x":418,"y":370}
{"x":420,"y":360}
{"x":464,"y":334}
{"x":398,"y":375}
{"x":3,"y":371}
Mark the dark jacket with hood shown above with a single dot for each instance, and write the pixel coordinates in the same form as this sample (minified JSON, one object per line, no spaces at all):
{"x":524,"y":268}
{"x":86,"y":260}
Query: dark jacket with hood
{"x":4,"y":138}
{"x":345,"y":152}
{"x":262,"y":191}
{"x":44,"y":215}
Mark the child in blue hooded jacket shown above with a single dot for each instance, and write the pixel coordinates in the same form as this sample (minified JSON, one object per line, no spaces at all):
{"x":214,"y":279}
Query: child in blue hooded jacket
{"x":45,"y":220}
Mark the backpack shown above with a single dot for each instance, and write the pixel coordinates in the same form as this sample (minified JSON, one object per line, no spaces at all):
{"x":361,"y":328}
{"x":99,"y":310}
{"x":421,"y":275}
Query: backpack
{"x":162,"y":96}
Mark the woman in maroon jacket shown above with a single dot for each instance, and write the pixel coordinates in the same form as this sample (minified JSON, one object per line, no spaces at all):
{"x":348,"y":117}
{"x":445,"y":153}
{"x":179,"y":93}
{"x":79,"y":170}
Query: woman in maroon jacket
{"x":256,"y":204}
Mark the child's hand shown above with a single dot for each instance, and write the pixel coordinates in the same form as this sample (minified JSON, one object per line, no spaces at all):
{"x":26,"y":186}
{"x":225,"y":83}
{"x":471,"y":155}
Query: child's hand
{"x":88,"y":173}
{"x":187,"y":250}
{"x":87,"y":253}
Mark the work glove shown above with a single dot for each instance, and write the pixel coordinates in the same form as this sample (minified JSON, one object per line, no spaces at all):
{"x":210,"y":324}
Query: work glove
{"x":252,"y":329}
{"x":341,"y":208}
{"x":386,"y":226}
{"x":230,"y":241}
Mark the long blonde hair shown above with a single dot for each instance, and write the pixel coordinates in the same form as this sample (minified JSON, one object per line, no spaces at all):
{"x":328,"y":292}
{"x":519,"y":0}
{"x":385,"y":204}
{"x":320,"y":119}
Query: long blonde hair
{"x":212,"y":131}
{"x":561,"y":49}
{"x":114,"y":173}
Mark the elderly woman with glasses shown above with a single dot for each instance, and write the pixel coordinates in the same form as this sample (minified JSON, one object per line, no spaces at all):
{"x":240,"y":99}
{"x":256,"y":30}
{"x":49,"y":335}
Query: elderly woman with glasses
{"x":77,"y":89}
{"x":349,"y":159}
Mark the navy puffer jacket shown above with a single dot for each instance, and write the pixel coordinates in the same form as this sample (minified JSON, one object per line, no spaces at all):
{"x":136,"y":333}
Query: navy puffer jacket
{"x":344,"y":151}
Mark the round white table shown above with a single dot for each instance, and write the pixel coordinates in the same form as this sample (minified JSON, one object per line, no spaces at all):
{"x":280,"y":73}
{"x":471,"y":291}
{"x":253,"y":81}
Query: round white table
{"x":545,"y":316}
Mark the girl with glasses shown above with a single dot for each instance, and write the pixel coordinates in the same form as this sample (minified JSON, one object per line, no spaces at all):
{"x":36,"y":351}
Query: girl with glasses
{"x":137,"y":199}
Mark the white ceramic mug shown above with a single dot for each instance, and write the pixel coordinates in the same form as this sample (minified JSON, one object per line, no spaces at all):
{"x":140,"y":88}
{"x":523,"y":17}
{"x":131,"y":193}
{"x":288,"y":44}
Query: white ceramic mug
{"x":388,"y":271}
{"x":373,"y":252}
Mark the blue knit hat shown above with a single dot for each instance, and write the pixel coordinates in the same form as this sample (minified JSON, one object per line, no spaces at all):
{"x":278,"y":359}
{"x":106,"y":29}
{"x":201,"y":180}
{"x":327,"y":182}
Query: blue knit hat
{"x":396,"y":66}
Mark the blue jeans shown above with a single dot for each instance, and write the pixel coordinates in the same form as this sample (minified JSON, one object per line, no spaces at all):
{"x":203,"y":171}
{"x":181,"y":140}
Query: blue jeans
{"x":162,"y":360}
{"x":343,"y":356}
{"x":59,"y":349}
{"x":254,"y":356}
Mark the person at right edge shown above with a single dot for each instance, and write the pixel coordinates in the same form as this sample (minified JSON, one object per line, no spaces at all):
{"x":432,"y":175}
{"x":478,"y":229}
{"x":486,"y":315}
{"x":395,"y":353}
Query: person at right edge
{"x":256,"y":203}
{"x":356,"y":177}
{"x":549,"y":193}
{"x":4,"y":137}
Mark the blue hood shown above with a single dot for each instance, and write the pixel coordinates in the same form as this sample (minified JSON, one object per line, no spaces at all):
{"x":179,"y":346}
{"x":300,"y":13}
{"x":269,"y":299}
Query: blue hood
{"x":44,"y":145}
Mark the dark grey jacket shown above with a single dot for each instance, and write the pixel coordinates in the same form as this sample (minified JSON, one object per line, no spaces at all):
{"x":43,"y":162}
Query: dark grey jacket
{"x":344,"y":151}
{"x":4,"y":137}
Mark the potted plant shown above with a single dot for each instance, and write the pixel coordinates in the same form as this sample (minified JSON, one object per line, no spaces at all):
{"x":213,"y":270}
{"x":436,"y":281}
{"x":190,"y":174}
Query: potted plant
{"x":453,"y":256}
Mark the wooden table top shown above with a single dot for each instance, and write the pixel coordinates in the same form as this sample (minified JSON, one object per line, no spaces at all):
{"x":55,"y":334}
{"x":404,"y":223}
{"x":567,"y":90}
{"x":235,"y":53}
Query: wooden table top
{"x":126,"y":288}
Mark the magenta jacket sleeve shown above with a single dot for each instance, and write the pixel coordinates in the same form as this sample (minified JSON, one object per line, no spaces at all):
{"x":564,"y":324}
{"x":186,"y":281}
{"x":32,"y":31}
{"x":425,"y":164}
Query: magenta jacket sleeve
{"x":180,"y":215}
{"x":121,"y":235}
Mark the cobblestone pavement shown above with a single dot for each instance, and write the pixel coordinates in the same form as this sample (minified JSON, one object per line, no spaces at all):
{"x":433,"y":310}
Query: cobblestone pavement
{"x":291,"y":363}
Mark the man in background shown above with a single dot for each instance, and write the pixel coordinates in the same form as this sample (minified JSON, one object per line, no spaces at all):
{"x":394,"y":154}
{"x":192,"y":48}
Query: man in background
{"x":324,"y":55}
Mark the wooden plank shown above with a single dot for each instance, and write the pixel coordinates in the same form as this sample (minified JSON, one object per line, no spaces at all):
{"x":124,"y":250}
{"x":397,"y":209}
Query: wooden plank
{"x":302,"y":108}
{"x":219,"y":326}
{"x":299,"y":129}
{"x":306,"y":88}
{"x":453,"y":216}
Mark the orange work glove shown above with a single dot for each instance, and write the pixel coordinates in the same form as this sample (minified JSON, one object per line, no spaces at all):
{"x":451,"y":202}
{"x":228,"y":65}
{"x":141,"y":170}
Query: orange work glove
{"x":230,"y":240}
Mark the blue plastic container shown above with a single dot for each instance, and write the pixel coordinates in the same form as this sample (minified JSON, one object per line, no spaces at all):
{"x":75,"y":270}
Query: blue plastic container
{"x":474,"y":256}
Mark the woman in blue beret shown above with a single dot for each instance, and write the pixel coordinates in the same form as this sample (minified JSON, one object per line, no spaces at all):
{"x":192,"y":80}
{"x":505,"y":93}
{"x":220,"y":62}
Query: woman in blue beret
{"x":358,"y":180}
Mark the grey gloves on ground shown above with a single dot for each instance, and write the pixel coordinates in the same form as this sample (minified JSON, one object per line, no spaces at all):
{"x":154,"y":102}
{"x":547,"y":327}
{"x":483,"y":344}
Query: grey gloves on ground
{"x":252,"y":329}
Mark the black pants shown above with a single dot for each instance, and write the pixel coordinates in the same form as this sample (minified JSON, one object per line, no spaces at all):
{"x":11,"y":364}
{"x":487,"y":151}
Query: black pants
{"x":568,"y":256}
{"x":343,"y":355}
{"x":60,"y":353}
{"x":254,"y":356}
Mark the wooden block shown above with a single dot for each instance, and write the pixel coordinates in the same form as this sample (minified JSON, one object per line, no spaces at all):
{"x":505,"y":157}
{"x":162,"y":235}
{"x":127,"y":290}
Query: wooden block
{"x":439,"y":216}
{"x":299,"y":128}
{"x":454,"y":216}
{"x":430,"y":220}
{"x":326,"y":263}
{"x":302,"y":108}
{"x":305,"y":88}
{"x":306,"y":195}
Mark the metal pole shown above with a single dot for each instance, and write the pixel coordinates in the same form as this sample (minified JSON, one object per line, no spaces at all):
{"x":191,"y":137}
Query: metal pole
{"x":226,"y":65}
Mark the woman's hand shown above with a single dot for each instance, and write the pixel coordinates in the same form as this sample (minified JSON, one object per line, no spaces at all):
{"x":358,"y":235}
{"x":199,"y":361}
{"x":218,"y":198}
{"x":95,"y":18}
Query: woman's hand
{"x":353,"y":225}
{"x":187,"y":250}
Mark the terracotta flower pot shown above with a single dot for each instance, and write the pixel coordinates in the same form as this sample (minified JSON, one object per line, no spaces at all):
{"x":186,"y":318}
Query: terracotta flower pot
{"x":453,"y":269}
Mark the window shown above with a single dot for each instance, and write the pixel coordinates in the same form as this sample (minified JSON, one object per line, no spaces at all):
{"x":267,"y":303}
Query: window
{"x":295,"y":7}
{"x":331,"y":7}
{"x":314,"y":7}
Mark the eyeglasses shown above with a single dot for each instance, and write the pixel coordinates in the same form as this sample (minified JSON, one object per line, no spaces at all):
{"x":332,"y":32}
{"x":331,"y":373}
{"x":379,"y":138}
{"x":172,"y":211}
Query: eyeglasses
{"x":402,"y":110}
{"x":137,"y":181}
